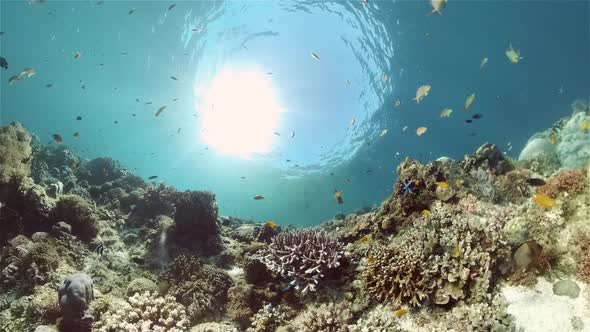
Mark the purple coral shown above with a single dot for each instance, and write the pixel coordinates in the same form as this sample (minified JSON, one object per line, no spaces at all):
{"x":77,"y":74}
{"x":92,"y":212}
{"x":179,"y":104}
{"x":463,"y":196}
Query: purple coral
{"x":303,"y":256}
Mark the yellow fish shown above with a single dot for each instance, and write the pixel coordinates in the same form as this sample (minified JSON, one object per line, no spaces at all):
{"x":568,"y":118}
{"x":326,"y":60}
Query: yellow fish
{"x":365,"y":238}
{"x":456,"y":251}
{"x":483,"y":63}
{"x":421,"y":130}
{"x":426,"y":212}
{"x":270,"y":224}
{"x":446,"y":113}
{"x":459,"y":183}
{"x":383,"y":133}
{"x":469,"y":102}
{"x":443,"y":184}
{"x":437,"y":6}
{"x":400,"y":312}
{"x":422,"y":92}
{"x":553,"y":139}
{"x":543,"y":200}
{"x":513,"y":54}
{"x":584,"y":126}
{"x":352,"y":121}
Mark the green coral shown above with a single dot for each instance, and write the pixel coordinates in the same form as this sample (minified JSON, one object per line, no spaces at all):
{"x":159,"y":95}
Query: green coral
{"x":78,"y":213}
{"x":15,"y":153}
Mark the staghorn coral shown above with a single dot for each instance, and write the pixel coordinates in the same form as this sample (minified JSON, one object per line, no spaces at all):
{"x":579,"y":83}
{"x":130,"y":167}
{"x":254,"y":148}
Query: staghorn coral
{"x":15,"y":153}
{"x":145,"y":313}
{"x":327,"y":317}
{"x":78,"y":213}
{"x":571,"y":182}
{"x":302,"y":256}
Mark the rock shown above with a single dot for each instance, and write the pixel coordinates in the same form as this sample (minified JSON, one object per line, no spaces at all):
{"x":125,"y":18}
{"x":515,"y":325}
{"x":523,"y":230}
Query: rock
{"x":256,"y":272}
{"x":141,"y":285}
{"x":526,"y":253}
{"x":39,"y":236}
{"x":566,"y":288}
{"x":75,"y":296}
{"x":61,"y":228}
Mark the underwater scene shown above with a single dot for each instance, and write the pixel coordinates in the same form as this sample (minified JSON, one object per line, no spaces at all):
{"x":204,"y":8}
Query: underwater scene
{"x":314,"y":166}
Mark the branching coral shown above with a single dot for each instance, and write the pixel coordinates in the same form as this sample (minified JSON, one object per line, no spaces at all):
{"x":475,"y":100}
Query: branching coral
{"x":145,"y":313}
{"x":269,"y":318}
{"x":571,"y":182}
{"x":15,"y":152}
{"x":443,"y":258}
{"x":302,"y":256}
{"x":77,"y":212}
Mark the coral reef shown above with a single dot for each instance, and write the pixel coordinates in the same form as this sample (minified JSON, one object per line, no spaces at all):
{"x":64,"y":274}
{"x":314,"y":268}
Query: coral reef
{"x":145,"y":312}
{"x":15,"y":153}
{"x":302,"y":257}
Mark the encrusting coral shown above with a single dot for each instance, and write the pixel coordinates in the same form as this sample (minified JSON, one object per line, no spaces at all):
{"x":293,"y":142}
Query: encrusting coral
{"x":143,"y":313}
{"x":302,"y":257}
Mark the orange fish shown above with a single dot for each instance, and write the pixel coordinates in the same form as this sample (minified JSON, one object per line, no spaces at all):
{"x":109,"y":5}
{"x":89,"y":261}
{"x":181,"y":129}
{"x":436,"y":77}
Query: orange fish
{"x":421,"y":130}
{"x":365,"y":238}
{"x":543,"y":200}
{"x":443,"y":184}
{"x":270,"y":224}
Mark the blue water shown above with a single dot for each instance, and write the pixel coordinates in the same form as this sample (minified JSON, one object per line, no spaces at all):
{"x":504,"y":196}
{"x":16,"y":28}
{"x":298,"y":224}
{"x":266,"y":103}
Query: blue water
{"x":356,"y":42}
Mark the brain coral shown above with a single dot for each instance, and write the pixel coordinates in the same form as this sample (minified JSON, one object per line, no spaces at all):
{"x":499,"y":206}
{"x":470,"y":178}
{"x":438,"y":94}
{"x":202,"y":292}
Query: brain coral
{"x":15,"y":152}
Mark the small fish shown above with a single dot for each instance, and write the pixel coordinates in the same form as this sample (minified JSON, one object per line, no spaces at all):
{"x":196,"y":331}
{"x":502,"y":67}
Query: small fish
{"x":469,"y":102}
{"x":404,"y":128}
{"x":422,"y":92}
{"x":459,"y":183}
{"x":426,"y":212}
{"x":99,"y":2}
{"x":99,"y":250}
{"x":437,"y":6}
{"x":469,"y":121}
{"x":57,"y":138}
{"x":242,"y":177}
{"x":348,"y":82}
{"x":536,"y":182}
{"x":385,"y":78}
{"x":584,"y":126}
{"x":174,"y":78}
{"x":148,"y":103}
{"x":123,"y":53}
{"x":477,"y":116}
{"x":78,"y":118}
{"x":48,"y":85}
{"x":258,"y":197}
{"x":315,"y":56}
{"x":131,"y":11}
{"x":77,"y":55}
{"x":153,"y":177}
{"x":445,"y":113}
{"x":175,"y":99}
{"x":3,"y":63}
{"x":178,"y":131}
{"x":278,"y":134}
{"x":338,"y":196}
{"x":383,"y":133}
{"x":370,"y":259}
{"x":349,"y":181}
{"x":544,"y":201}
{"x":400,"y":312}
{"x":171,"y":6}
{"x":292,"y":133}
{"x":483,"y":63}
{"x":288,"y":160}
{"x":28,"y":72}
{"x":160,"y":110}
{"x":553,"y":139}
{"x":352,"y":121}
{"x":369,"y":171}
{"x":513,"y":54}
{"x":443,"y":184}
{"x":116,"y":122}
{"x":77,"y":135}
{"x":270,"y":224}
{"x":13,"y":79}
{"x":366,"y":239}
{"x":397,"y":103}
{"x":421,"y":130}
